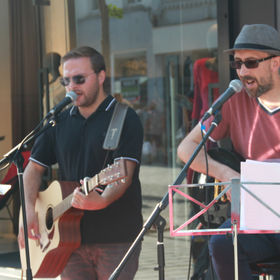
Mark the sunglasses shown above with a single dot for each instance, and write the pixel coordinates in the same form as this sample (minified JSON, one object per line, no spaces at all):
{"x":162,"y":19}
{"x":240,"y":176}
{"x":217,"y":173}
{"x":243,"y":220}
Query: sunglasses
{"x":77,"y":79}
{"x":250,"y":63}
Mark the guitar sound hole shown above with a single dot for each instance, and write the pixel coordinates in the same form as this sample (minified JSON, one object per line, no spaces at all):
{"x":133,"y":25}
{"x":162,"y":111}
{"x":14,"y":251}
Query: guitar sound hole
{"x":49,"y":218}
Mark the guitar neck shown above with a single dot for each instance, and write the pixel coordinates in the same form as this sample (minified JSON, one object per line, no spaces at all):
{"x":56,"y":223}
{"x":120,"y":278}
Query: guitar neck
{"x":112,"y":173}
{"x":62,"y":207}
{"x":65,"y":204}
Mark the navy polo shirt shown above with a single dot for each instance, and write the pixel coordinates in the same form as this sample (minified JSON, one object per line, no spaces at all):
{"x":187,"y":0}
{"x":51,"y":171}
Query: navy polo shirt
{"x":75,"y":143}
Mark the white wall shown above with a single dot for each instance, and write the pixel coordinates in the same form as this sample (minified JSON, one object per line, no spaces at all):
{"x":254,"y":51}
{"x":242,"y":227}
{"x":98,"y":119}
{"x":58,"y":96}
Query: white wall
{"x":185,"y":37}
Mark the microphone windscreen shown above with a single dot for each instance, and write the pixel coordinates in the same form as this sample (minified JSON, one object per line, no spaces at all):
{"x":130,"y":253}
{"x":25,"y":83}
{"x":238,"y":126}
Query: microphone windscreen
{"x":236,"y":85}
{"x":72,"y":95}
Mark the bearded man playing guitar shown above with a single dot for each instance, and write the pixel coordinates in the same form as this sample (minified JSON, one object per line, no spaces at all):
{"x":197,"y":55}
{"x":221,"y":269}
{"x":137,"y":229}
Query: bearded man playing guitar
{"x":251,"y":119}
{"x":112,"y":216}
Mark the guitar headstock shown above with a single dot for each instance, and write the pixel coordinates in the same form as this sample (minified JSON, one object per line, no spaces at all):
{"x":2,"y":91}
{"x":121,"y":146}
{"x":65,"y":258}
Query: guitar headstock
{"x":115,"y":172}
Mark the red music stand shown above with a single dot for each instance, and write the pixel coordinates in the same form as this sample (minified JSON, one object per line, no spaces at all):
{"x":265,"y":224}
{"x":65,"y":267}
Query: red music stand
{"x":11,"y":179}
{"x":235,"y":185}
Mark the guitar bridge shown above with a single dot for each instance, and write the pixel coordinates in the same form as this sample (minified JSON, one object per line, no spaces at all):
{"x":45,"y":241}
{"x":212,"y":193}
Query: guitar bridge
{"x":44,"y":241}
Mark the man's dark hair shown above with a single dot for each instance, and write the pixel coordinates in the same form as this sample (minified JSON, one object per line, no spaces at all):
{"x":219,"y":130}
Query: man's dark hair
{"x":97,"y":60}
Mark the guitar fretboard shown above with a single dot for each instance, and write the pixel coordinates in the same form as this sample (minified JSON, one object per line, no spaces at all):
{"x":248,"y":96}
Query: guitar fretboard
{"x":62,"y":207}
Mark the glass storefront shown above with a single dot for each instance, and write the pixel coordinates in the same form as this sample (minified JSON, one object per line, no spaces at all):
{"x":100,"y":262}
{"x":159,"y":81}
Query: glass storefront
{"x":151,"y":48}
{"x":161,"y":58}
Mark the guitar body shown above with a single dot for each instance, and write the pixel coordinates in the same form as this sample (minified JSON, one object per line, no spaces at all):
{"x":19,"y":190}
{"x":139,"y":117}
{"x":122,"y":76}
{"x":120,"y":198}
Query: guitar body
{"x":59,"y":238}
{"x":59,"y":222}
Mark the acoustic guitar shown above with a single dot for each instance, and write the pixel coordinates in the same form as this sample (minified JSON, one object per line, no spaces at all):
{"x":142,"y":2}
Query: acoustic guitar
{"x":59,"y":222}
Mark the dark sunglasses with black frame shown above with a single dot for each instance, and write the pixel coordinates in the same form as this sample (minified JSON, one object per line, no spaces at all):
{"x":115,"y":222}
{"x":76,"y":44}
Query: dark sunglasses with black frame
{"x":250,"y":63}
{"x":77,"y":79}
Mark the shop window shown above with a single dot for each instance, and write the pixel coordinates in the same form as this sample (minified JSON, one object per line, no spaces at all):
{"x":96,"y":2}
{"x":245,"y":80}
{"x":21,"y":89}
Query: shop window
{"x":94,"y":5}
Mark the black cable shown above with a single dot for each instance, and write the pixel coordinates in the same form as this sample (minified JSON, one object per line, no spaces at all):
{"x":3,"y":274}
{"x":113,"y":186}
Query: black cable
{"x":190,"y":260}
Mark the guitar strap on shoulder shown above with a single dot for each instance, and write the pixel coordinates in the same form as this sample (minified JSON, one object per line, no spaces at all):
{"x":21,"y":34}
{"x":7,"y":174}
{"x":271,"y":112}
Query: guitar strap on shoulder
{"x":114,"y":131}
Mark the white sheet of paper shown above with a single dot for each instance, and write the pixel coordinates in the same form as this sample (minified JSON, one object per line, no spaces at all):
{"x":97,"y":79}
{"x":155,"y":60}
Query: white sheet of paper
{"x":254,"y":215}
{"x":4,"y":188}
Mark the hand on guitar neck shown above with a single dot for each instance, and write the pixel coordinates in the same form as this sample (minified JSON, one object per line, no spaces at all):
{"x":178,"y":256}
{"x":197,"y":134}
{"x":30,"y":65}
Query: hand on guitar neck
{"x":103,"y":198}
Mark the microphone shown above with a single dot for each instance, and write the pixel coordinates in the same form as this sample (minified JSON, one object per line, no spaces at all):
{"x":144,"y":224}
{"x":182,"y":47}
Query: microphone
{"x":234,"y":86}
{"x":70,"y":97}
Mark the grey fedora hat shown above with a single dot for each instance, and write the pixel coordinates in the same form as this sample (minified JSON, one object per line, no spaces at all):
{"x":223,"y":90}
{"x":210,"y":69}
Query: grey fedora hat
{"x":261,"y":37}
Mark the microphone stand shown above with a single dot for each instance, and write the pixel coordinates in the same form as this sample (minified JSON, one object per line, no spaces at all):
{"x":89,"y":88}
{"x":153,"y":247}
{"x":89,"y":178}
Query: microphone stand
{"x":16,"y":157}
{"x":164,"y":202}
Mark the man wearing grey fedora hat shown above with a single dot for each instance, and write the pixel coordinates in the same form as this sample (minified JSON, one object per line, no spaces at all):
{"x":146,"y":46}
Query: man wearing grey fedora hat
{"x":251,"y":119}
{"x":259,"y":37}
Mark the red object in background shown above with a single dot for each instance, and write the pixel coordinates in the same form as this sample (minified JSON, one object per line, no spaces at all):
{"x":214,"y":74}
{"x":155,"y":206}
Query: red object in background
{"x":11,"y":175}
{"x":11,"y":178}
{"x":203,"y":78}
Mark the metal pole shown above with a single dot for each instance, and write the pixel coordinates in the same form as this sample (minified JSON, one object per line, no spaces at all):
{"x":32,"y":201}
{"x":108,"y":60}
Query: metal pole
{"x":235,"y":251}
{"x":235,"y":219}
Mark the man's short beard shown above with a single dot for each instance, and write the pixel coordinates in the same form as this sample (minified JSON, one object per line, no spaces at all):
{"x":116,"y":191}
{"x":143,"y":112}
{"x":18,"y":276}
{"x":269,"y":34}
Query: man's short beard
{"x":263,"y":86}
{"x":261,"y":89}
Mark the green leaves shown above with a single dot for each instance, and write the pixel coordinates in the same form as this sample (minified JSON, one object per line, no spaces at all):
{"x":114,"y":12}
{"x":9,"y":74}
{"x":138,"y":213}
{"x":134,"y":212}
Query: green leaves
{"x":114,"y":11}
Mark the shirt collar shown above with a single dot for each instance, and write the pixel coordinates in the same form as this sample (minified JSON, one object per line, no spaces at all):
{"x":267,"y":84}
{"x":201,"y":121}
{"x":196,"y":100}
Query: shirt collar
{"x":106,"y":105}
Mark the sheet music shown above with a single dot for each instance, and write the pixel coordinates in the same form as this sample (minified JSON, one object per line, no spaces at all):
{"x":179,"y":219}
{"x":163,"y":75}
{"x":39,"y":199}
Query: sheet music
{"x":254,"y":215}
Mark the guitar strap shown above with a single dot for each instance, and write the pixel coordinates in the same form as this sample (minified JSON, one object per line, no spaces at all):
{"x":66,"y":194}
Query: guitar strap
{"x":114,"y":131}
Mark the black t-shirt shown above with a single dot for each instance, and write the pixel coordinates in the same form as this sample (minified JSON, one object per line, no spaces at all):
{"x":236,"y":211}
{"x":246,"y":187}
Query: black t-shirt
{"x":75,"y":143}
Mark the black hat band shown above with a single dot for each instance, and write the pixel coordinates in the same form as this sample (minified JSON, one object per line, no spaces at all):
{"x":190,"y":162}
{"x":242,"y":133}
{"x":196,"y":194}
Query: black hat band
{"x":253,"y":46}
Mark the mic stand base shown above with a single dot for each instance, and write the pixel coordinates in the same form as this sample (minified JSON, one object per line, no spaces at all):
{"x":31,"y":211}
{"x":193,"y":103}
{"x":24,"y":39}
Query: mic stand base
{"x":18,"y":161}
{"x":160,"y":223}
